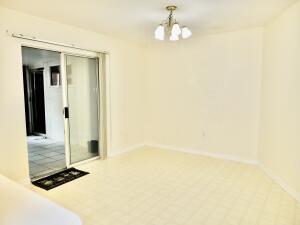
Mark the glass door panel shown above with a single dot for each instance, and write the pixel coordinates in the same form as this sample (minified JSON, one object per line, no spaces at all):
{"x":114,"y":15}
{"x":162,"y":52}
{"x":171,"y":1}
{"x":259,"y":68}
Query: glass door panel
{"x":82,"y":92}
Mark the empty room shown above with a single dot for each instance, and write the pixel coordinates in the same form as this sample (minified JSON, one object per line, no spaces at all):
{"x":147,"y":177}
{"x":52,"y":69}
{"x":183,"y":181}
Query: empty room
{"x":150,"y":112}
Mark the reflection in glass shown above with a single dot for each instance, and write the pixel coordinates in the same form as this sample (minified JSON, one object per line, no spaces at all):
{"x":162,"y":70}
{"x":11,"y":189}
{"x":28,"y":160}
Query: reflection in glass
{"x":82,"y":78}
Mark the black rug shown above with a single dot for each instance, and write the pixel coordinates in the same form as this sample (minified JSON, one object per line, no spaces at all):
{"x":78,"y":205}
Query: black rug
{"x":58,"y":179}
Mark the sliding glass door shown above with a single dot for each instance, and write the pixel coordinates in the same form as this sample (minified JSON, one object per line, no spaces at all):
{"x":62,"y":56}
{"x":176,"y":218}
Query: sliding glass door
{"x":71,"y":87}
{"x":82,"y":107}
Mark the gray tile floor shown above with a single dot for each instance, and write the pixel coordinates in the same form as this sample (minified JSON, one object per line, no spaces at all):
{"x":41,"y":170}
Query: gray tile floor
{"x":81,"y":153}
{"x":45,"y":155}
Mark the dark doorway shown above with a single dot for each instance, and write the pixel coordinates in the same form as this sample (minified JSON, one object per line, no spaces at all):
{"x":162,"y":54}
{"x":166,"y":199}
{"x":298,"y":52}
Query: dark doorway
{"x":34,"y":101}
{"x":38,"y":101}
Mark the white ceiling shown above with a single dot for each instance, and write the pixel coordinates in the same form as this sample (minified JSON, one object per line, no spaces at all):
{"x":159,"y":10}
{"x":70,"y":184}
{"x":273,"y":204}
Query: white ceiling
{"x":136,"y":19}
{"x":34,"y":57}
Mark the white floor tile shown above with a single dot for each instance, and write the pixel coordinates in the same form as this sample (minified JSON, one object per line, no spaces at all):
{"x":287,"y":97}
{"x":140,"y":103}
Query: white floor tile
{"x":160,"y":187}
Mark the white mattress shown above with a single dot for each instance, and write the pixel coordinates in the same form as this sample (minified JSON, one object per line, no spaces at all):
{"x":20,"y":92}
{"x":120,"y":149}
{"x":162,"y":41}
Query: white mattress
{"x":21,"y":206}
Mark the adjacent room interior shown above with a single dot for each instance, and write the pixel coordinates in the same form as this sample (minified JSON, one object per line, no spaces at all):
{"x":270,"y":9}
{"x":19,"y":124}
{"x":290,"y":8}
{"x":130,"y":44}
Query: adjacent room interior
{"x":43,"y":109}
{"x":184,"y":113}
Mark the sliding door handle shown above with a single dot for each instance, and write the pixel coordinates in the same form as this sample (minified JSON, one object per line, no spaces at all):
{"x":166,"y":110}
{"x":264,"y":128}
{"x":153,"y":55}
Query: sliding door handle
{"x":66,"y":112}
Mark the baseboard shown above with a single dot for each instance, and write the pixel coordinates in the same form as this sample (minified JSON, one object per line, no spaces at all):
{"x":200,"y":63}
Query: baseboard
{"x":202,"y":152}
{"x":185,"y":150}
{"x":281,"y":182}
{"x":117,"y":152}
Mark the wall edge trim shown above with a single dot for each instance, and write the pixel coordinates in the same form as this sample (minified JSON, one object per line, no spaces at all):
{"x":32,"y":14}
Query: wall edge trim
{"x":202,"y":152}
{"x":284,"y":185}
{"x":121,"y":151}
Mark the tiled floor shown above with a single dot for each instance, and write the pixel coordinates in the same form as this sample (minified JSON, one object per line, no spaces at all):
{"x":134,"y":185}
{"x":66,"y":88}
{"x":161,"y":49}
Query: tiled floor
{"x":81,"y":153}
{"x":160,"y":187}
{"x":45,"y":155}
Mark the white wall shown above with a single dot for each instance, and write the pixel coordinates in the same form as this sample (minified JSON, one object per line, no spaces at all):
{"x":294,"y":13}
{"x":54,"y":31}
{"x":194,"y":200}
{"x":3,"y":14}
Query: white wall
{"x":280,"y":133}
{"x":204,"y":93}
{"x":53,"y":106}
{"x":125,"y":90}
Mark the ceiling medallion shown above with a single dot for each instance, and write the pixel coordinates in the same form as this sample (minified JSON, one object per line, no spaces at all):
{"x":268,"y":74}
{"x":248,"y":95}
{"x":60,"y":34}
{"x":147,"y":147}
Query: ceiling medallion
{"x":170,"y":28}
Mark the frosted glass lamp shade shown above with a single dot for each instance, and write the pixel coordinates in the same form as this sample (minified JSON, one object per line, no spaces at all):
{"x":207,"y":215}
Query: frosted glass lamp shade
{"x":176,"y":29}
{"x":174,"y":37}
{"x":160,"y":33}
{"x":186,"y":32}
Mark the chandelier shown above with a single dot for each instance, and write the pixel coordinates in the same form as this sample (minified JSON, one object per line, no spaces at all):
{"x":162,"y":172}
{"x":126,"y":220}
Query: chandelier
{"x":170,"y":28}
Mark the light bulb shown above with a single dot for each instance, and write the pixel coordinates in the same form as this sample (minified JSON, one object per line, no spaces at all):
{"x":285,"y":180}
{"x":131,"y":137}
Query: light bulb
{"x":186,"y":32}
{"x":176,"y":29}
{"x":174,"y":37}
{"x":160,"y":33}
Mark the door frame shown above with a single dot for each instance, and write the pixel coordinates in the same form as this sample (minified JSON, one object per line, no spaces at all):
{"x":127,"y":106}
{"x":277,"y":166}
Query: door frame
{"x":103,"y":91}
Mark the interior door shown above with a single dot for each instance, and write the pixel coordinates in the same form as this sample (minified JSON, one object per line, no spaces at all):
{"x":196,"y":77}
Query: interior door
{"x":38,"y":101}
{"x":81,"y":87}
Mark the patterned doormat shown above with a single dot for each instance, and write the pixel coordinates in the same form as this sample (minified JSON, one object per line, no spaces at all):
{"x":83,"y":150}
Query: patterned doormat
{"x":58,"y":179}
